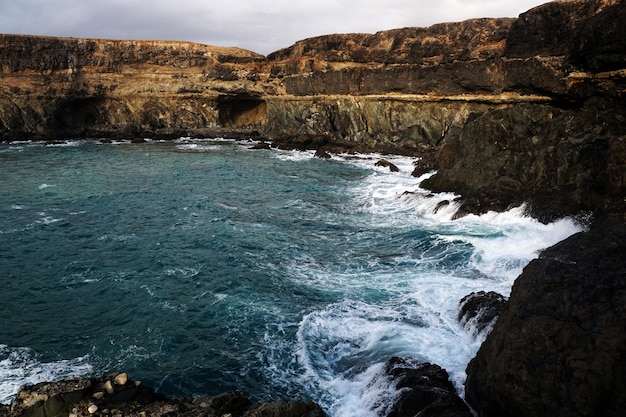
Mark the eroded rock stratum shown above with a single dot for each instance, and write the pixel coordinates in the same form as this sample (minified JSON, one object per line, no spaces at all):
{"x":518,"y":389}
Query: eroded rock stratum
{"x":528,"y":106}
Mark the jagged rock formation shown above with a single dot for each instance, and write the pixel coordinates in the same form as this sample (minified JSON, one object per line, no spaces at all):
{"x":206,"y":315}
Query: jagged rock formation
{"x":563,"y":156}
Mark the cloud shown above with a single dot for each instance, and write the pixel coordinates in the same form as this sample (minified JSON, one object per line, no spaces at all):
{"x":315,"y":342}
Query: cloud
{"x":260,"y":26}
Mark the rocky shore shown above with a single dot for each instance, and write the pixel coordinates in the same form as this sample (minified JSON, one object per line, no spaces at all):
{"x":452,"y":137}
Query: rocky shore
{"x":508,"y":111}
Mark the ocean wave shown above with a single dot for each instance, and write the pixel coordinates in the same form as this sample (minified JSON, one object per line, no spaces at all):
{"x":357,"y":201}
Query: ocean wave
{"x":21,"y":365}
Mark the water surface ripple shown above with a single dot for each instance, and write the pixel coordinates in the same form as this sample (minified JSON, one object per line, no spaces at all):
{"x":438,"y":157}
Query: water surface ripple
{"x":201,"y":266}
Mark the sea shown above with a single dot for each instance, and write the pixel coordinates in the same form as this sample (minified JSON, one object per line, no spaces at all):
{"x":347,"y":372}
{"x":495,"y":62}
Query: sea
{"x":201,"y":266}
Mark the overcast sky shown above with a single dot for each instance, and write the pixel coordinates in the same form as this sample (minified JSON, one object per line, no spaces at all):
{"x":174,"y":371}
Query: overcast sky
{"x":259,"y":25}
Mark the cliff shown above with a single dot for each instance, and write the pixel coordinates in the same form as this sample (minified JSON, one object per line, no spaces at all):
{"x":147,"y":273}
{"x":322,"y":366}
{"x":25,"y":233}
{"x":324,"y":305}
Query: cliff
{"x":509,"y":111}
{"x":531,"y":106}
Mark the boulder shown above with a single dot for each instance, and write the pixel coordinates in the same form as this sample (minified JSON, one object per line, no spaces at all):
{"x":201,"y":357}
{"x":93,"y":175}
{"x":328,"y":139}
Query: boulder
{"x":322,"y":154}
{"x":426,"y":390}
{"x":261,"y":145}
{"x":559,"y":347}
{"x":478,"y":311}
{"x":387,"y":164}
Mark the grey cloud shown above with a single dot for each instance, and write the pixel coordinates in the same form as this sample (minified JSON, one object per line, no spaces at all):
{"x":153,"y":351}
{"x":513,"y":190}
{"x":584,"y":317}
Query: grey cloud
{"x":260,"y":26}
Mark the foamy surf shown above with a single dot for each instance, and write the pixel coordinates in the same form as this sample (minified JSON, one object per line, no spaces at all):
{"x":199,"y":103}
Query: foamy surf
{"x":344,"y":346}
{"x":219,"y":267}
{"x":20,"y":366}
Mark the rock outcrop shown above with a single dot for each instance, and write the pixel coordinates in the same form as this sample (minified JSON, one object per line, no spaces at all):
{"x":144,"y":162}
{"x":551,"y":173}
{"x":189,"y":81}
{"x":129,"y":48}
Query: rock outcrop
{"x":425,"y":390}
{"x":478,"y":311}
{"x":560,"y":157}
{"x":118,"y":395}
{"x":559,"y":347}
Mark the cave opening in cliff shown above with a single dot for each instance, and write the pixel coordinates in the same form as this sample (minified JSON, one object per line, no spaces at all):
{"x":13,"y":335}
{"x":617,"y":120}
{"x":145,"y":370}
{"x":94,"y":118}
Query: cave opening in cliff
{"x":78,"y":113}
{"x":241,"y":111}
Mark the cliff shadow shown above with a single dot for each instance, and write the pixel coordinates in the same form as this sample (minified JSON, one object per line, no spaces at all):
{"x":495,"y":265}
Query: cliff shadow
{"x":241,"y":111}
{"x":78,"y":113}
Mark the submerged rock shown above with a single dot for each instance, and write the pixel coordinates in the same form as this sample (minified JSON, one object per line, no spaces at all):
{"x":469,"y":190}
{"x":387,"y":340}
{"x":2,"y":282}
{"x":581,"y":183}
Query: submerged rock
{"x":322,"y":154}
{"x":261,"y":145}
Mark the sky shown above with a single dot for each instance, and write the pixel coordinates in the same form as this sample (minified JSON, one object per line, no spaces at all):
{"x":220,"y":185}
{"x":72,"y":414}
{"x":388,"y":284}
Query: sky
{"x":262,"y":26}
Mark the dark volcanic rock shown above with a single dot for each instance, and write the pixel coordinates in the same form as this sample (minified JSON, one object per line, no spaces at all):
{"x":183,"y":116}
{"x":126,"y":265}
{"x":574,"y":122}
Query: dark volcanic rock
{"x":116,"y":394}
{"x":559,"y":347}
{"x":426,"y":390}
{"x":261,"y":145}
{"x":50,"y":399}
{"x":479,"y":310}
{"x":559,"y":161}
{"x":387,"y":164}
{"x":322,"y":154}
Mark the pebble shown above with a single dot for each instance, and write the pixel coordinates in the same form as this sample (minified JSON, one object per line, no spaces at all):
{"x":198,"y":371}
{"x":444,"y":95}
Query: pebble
{"x":92,"y":408}
{"x":121,"y":379}
{"x":98,"y":395}
{"x":109,"y":387}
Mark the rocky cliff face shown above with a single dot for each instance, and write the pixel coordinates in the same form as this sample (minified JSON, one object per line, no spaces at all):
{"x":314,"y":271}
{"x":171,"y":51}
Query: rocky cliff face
{"x":559,"y":347}
{"x":528,"y":110}
{"x":54,"y":87}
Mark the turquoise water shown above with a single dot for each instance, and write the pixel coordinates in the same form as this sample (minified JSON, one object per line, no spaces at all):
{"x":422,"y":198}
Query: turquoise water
{"x":201,"y":266}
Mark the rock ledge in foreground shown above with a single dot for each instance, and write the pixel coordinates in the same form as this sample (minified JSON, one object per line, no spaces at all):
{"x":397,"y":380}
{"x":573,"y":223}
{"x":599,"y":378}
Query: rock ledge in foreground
{"x":116,"y":395}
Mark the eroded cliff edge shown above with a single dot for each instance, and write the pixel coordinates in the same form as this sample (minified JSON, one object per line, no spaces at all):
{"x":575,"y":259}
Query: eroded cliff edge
{"x":509,"y":111}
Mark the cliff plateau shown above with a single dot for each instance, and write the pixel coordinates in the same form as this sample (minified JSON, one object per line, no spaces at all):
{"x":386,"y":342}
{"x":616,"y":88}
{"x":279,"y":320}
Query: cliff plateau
{"x":529,"y":111}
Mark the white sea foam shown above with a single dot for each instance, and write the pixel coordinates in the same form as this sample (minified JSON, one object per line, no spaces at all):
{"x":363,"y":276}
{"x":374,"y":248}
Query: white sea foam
{"x":343,"y":346}
{"x":20,"y":366}
{"x":67,"y":143}
{"x":44,"y":186}
{"x":293,"y":155}
{"x":197,"y":147}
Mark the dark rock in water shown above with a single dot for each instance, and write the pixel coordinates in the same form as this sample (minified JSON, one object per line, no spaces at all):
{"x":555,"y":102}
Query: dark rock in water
{"x":320,"y":153}
{"x":440,"y":205}
{"x":228,"y":403}
{"x":559,"y":346}
{"x":421,"y":169}
{"x":261,"y":145}
{"x":116,"y":394}
{"x":479,"y":310}
{"x":288,"y":409}
{"x":385,"y":163}
{"x":426,"y":390}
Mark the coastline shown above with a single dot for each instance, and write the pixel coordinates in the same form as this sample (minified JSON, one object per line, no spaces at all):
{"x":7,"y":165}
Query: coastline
{"x":513,"y":113}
